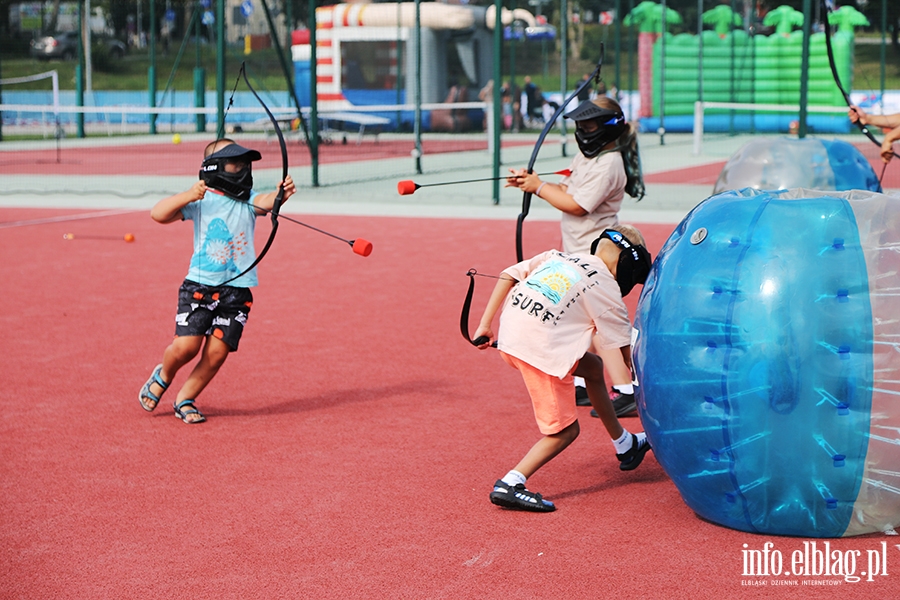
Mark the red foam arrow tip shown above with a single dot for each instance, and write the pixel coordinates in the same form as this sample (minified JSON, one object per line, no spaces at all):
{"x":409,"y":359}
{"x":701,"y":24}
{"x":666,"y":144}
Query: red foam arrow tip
{"x":362,"y":247}
{"x":564,"y":172}
{"x":406,"y":187}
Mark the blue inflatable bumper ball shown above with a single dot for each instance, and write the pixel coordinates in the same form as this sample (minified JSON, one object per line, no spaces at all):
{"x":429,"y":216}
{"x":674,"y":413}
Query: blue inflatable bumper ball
{"x":785,"y":163}
{"x":768,"y":356}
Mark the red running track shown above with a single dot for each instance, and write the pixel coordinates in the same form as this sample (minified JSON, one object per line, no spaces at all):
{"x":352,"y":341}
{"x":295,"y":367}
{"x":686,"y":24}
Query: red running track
{"x":351,"y":443}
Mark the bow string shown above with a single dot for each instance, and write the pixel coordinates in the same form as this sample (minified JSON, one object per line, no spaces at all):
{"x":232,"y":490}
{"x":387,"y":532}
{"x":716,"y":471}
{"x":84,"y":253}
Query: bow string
{"x":279,"y":196}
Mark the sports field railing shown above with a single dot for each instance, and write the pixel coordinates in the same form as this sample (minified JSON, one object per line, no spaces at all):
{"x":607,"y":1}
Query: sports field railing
{"x":364,"y":136}
{"x":791,"y":111}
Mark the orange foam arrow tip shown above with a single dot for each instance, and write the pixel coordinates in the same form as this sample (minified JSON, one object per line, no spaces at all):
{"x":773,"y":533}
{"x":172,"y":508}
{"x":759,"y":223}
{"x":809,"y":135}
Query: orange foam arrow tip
{"x":406,"y":187}
{"x":362,"y":247}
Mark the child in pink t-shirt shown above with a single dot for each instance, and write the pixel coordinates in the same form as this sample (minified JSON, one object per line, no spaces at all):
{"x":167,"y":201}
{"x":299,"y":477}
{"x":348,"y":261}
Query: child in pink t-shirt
{"x":555,"y":306}
{"x":607,"y":167}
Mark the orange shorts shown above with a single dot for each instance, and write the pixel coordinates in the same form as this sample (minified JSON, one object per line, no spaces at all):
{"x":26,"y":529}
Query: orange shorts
{"x":552,"y":398}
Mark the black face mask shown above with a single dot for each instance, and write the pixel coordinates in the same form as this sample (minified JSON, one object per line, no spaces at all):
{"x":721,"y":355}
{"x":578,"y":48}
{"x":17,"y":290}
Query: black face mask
{"x":237,"y":185}
{"x":634,"y":261}
{"x":612,"y":125}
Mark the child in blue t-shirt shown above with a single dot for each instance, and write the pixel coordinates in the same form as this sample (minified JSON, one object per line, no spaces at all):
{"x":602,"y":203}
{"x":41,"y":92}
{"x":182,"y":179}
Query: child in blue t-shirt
{"x":215,"y":298}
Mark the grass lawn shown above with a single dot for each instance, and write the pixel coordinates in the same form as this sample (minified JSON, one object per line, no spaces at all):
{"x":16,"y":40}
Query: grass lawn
{"x":131,"y":72}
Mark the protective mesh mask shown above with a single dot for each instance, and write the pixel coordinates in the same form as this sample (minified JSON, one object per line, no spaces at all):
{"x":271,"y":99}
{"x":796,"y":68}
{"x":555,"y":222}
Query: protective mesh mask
{"x":612,"y":125}
{"x":236,"y":185}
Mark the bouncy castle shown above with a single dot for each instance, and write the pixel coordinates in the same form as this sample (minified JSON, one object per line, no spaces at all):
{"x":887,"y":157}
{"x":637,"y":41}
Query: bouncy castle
{"x":365,"y":55}
{"x":736,"y":67}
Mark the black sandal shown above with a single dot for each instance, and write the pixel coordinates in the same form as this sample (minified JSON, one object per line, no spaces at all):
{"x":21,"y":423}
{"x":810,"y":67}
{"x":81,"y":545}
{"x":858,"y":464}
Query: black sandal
{"x":183,"y":413}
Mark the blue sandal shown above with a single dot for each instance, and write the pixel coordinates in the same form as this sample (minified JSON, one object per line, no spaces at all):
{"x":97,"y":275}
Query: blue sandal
{"x":146,"y":394}
{"x":183,"y":413}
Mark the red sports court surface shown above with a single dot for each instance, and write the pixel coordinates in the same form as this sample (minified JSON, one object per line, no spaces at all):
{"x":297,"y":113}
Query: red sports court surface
{"x":184,"y":157}
{"x":351,"y":442}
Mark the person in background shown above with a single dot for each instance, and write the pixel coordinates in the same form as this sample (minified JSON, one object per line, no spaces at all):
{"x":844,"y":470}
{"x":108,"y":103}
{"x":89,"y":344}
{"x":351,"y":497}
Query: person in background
{"x":892,"y":122}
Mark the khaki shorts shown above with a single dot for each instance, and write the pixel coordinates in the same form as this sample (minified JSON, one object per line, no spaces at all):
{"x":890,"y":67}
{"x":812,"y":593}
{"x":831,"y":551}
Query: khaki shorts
{"x":552,"y":398}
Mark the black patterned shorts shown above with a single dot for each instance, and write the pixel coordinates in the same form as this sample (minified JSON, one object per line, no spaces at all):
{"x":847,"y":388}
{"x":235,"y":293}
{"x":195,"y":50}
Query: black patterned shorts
{"x":217,"y":311}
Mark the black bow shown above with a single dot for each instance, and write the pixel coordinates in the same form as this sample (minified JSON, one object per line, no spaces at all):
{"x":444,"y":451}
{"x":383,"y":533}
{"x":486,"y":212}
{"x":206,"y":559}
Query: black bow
{"x":464,"y":315}
{"x":284,"y":171}
{"x":526,"y":196}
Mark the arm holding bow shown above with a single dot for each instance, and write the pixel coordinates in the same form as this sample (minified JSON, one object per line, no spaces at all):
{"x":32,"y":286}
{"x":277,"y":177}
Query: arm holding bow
{"x":498,"y":296}
{"x":168,"y":210}
{"x":264,"y":203}
{"x":555,"y":194}
{"x":861,"y":117}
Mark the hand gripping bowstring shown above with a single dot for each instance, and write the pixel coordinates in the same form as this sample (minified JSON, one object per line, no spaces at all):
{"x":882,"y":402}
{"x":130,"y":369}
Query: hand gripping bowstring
{"x":827,"y":9}
{"x":279,"y":196}
{"x":526,"y":196}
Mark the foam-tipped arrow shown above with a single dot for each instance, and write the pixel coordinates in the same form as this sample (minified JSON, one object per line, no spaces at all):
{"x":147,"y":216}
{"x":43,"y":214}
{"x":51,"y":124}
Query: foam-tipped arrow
{"x":408,"y":186}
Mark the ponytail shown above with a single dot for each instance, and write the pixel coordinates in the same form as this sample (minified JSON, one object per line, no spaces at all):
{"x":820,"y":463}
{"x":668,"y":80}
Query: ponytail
{"x":631,"y":157}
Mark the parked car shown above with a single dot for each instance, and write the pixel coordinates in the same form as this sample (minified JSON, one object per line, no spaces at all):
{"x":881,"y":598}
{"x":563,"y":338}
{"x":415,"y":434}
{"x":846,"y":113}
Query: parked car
{"x":65,"y":45}
{"x":58,"y":45}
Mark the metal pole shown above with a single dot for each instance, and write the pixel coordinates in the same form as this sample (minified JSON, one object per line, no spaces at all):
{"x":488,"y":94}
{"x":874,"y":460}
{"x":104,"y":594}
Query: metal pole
{"x":732,"y":70}
{"x":804,"y":65}
{"x":512,"y":74}
{"x":79,"y":75}
{"x":151,"y":75}
{"x":563,"y":65}
{"x":398,"y":80}
{"x":497,"y":100}
{"x":617,"y":43}
{"x":883,"y":47}
{"x":700,"y":42}
{"x":662,"y":79}
{"x":199,"y":73}
{"x":86,"y":41}
{"x":289,"y":25}
{"x":417,"y":152}
{"x":220,"y":66}
{"x":632,"y":50}
{"x":313,"y":94}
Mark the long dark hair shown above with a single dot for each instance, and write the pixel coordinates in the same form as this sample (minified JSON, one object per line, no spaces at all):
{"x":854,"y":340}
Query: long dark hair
{"x":627,"y":144}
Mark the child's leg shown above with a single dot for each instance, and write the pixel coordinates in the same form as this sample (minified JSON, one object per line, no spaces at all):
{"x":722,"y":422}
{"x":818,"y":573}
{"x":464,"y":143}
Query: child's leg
{"x":619,"y":373}
{"x":630,"y":448}
{"x":546,"y":448}
{"x":213,"y":357}
{"x":591,"y":368}
{"x":180,"y":352}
